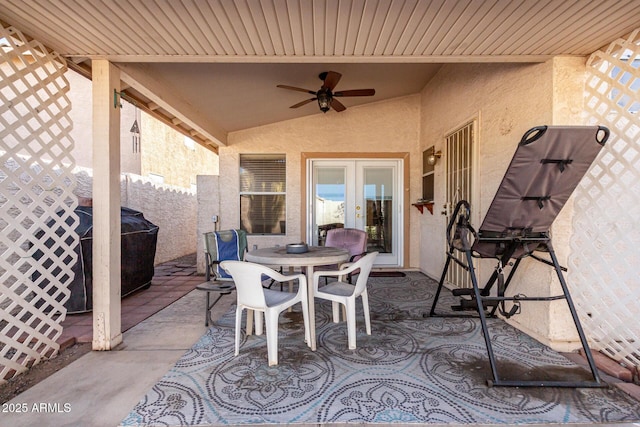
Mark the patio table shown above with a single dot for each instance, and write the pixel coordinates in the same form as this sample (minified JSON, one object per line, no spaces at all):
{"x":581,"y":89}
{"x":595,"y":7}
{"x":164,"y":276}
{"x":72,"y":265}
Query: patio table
{"x":315,"y":256}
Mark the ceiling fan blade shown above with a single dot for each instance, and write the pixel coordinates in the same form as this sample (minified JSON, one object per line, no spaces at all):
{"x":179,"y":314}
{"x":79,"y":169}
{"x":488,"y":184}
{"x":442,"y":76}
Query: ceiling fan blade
{"x":337,"y":105}
{"x":297,"y":88}
{"x":355,"y":92}
{"x":305,"y":102}
{"x":331,"y":79}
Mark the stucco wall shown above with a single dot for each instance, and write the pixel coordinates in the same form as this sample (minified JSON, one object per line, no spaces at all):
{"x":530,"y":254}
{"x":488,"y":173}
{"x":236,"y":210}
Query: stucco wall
{"x":507,"y":100}
{"x":81,"y":114}
{"x":162,"y":150}
{"x":165,"y":153}
{"x":172,"y":209}
{"x":208,"y":200}
{"x":172,"y":205}
{"x":387,"y":126}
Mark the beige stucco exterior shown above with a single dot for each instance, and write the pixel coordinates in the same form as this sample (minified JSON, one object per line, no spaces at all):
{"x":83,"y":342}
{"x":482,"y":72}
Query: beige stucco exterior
{"x":390,"y":127}
{"x":158,"y":178}
{"x":168,"y":153}
{"x":505,"y":99}
{"x":81,"y":116}
{"x":162,"y":152}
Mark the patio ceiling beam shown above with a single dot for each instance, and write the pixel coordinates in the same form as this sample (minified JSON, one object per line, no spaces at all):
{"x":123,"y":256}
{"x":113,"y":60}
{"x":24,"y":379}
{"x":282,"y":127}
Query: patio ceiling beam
{"x":346,"y":59}
{"x":128,"y":93}
{"x":160,"y":114}
{"x":166,"y":95}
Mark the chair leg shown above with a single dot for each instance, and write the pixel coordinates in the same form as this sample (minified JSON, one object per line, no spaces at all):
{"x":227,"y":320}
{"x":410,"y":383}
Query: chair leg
{"x":238,"y":325}
{"x":207,"y":311}
{"x":351,"y":323}
{"x":258,"y":322}
{"x":305,"y":316}
{"x":290,"y":286}
{"x":335,"y":308}
{"x":249,"y":321}
{"x":271,"y":319}
{"x":207,"y":272}
{"x":365,"y":306}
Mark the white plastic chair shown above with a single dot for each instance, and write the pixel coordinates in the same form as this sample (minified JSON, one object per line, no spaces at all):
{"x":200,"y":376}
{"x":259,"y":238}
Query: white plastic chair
{"x":253,"y":297}
{"x":345,"y":293}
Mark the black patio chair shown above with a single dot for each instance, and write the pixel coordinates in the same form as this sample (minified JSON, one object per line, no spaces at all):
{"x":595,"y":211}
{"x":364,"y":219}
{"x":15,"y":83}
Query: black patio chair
{"x":547,"y":166}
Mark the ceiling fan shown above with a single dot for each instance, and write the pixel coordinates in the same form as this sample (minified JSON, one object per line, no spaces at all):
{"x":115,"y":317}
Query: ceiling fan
{"x":325,"y":96}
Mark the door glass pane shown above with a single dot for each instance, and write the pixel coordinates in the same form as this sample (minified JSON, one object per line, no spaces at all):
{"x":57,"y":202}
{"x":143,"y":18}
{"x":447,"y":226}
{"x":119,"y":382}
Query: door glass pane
{"x":378,"y":195}
{"x":330,"y":196}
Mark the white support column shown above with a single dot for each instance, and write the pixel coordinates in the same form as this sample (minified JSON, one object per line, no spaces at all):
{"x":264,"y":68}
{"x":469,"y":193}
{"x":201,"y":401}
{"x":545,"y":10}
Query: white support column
{"x":107,"y":331}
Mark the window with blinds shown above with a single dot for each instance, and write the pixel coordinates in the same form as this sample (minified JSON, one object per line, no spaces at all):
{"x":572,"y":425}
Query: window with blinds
{"x":263,"y":193}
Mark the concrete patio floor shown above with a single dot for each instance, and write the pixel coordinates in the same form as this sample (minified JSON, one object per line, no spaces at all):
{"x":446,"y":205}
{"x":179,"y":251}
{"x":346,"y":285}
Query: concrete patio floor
{"x":101,"y":388}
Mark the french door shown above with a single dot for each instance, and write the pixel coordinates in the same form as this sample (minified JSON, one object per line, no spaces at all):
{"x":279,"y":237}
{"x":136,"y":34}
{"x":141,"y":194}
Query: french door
{"x":362,"y":194}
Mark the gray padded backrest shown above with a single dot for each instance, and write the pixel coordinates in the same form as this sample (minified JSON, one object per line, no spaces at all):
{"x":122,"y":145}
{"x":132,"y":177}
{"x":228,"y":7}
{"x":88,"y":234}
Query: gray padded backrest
{"x":547,"y":166}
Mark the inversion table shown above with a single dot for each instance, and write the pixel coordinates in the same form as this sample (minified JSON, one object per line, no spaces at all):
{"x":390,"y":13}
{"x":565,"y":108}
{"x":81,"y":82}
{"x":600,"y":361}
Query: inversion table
{"x":547,"y":166}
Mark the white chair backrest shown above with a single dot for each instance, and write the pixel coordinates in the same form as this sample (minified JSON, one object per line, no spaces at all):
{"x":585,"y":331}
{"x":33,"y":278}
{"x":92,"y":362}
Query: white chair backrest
{"x":247,"y":277}
{"x":366,"y":264}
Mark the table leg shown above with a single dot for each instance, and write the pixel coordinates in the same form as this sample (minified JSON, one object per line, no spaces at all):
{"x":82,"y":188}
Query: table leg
{"x":312,"y":308}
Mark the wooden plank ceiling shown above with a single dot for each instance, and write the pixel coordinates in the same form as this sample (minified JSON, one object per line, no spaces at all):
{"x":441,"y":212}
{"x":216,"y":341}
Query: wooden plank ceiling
{"x":147,"y":36}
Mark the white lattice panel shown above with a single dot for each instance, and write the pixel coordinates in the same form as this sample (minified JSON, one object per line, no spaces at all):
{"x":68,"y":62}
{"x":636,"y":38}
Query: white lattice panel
{"x":37,"y":222}
{"x":605,"y":250}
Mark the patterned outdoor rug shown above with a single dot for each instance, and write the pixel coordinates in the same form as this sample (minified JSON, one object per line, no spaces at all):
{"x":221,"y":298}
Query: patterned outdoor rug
{"x":411,"y":370}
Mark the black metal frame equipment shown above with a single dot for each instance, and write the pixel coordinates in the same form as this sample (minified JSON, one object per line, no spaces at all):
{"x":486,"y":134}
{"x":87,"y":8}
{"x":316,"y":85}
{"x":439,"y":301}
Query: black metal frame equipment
{"x":548,"y":164}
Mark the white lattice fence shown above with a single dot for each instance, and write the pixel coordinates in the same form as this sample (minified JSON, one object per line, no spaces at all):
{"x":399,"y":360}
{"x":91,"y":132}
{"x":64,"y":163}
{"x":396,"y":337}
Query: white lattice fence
{"x":605,"y":249}
{"x":37,"y":222}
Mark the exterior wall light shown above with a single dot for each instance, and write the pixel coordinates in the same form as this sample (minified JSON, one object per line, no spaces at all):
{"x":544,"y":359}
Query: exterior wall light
{"x":433,"y":158}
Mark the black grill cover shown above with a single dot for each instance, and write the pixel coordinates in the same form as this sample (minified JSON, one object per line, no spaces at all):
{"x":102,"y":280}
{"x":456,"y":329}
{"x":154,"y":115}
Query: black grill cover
{"x":138,"y":245}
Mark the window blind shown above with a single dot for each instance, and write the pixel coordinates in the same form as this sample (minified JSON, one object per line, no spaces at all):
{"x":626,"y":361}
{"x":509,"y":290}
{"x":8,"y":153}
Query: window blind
{"x":262,"y":173}
{"x":263,"y":193}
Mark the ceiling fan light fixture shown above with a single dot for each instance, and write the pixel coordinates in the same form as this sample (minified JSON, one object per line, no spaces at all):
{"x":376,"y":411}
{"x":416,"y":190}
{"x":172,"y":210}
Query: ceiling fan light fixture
{"x":327,"y":99}
{"x":324,"y":100}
